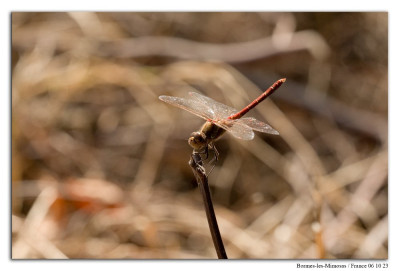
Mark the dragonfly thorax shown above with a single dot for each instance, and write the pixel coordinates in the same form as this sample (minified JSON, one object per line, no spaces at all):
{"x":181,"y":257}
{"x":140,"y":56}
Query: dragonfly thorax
{"x":208,"y":133}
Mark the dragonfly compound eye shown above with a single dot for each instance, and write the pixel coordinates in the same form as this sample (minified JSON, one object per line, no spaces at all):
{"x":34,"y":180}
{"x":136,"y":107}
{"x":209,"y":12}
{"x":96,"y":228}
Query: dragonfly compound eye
{"x":197,"y":140}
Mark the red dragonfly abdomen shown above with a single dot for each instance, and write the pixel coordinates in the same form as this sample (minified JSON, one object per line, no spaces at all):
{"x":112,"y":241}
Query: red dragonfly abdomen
{"x":258,"y":100}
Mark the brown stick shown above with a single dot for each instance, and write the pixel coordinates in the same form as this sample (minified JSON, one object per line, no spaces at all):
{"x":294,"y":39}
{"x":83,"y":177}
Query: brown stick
{"x":199,"y":172}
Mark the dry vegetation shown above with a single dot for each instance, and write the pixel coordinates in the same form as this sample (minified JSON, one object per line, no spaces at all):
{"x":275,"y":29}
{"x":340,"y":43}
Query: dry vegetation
{"x":100,"y":165}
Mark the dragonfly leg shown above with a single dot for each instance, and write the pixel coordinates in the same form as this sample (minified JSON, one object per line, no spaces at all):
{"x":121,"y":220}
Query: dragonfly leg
{"x":216,"y":153}
{"x":206,"y":152}
{"x":199,"y":160}
{"x":197,"y":154}
{"x":196,"y":159}
{"x":215,"y":158}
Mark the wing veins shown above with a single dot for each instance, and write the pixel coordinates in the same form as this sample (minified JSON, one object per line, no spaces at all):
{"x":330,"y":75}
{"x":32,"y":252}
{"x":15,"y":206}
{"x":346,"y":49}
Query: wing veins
{"x":220,"y":110}
{"x":258,"y":125}
{"x":237,"y":129}
{"x":192,"y":106}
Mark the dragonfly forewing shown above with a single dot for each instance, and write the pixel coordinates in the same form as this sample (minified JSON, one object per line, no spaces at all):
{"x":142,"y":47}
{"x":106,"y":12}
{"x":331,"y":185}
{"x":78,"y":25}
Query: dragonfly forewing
{"x":220,"y":110}
{"x":193,"y":106}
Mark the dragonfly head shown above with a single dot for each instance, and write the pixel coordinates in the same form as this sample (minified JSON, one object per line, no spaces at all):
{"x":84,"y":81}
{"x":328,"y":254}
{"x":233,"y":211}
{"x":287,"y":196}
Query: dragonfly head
{"x":197,"y":140}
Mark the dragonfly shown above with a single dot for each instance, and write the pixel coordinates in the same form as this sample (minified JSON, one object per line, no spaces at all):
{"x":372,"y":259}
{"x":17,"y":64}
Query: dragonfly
{"x":220,"y":118}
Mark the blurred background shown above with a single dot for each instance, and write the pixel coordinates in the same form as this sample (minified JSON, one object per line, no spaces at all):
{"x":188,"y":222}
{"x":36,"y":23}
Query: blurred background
{"x":100,"y":164}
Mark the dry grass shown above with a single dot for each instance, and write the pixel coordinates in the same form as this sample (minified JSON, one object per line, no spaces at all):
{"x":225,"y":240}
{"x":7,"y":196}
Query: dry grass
{"x":99,"y":164}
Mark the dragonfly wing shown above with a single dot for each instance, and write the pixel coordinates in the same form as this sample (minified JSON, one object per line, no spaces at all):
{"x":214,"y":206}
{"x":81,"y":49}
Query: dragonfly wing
{"x":258,"y":125}
{"x":220,"y":110}
{"x":192,"y":105}
{"x":237,"y":129}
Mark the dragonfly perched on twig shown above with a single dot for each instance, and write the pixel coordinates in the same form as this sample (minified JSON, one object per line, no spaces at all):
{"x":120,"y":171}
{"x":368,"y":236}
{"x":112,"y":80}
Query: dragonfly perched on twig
{"x":220,"y":118}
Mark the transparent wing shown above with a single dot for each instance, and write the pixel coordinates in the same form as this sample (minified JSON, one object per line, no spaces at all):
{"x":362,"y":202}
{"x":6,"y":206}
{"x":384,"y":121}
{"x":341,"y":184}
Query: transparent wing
{"x":220,"y":110}
{"x":194,"y":106}
{"x":237,"y":129}
{"x":258,"y":125}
